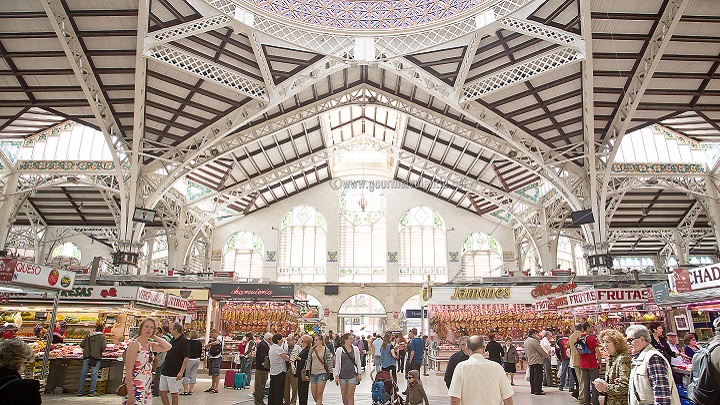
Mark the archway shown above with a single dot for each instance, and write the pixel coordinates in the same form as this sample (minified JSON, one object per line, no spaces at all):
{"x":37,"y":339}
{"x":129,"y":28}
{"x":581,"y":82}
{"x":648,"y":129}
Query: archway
{"x":362,"y":313}
{"x":411,"y":315}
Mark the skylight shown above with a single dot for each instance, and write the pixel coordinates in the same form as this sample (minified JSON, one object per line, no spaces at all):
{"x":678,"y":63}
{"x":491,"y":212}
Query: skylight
{"x":67,"y":141}
{"x":657,"y":144}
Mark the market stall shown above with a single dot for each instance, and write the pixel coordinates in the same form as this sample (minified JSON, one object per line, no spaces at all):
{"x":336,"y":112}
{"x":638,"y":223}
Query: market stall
{"x":693,"y":293}
{"x":79,"y":311}
{"x":258,"y":308}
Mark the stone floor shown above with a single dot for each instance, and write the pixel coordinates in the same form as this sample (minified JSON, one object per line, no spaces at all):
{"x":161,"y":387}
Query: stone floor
{"x":434,"y":387}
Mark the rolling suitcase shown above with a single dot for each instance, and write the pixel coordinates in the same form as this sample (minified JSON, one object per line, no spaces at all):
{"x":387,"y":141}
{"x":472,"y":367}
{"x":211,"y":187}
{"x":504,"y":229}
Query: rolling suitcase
{"x":240,"y":381}
{"x":230,"y":378}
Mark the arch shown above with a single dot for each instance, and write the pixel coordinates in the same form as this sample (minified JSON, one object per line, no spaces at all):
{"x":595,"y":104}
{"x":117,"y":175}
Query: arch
{"x":365,"y":313}
{"x":570,"y":256}
{"x":422,"y":246}
{"x":65,"y":255}
{"x":302,"y":245}
{"x":362,"y":244}
{"x":480,"y":255}
{"x":243,"y":255}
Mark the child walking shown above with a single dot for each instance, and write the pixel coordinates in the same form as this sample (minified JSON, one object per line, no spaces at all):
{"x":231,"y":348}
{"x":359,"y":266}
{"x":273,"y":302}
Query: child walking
{"x":415,"y":391}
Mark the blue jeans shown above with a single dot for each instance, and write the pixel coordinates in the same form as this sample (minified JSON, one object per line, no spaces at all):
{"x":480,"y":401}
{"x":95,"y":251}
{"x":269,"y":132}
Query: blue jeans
{"x":566,"y":375}
{"x":93,"y":378}
{"x":247,"y":368}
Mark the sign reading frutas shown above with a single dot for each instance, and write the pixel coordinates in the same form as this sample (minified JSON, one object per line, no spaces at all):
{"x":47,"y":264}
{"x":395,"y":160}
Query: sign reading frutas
{"x":462,"y":293}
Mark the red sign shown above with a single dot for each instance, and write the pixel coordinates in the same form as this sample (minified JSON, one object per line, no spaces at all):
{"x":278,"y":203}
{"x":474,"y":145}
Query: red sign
{"x":547,"y":289}
{"x":176,"y":302}
{"x":7,"y":269}
{"x":192,"y":307}
{"x":682,"y":280}
{"x":327,"y":311}
{"x":150,"y":296}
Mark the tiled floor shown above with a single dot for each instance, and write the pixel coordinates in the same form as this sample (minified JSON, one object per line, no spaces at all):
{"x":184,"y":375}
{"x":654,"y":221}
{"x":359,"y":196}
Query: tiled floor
{"x":434,"y":387}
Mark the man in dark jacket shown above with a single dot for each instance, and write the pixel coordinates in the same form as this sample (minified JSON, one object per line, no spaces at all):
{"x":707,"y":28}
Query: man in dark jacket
{"x":494,"y":349}
{"x":457,"y":357}
{"x":93,"y":347}
{"x":261,"y":372}
{"x":15,"y":355}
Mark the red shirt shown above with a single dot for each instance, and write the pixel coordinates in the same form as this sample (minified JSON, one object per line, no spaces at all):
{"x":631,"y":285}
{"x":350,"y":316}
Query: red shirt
{"x":589,"y":360}
{"x":241,"y":347}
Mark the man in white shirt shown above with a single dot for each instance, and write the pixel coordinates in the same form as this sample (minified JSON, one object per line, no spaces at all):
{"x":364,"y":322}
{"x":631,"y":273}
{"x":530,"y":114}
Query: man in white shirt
{"x":470,"y":383}
{"x":547,"y":364}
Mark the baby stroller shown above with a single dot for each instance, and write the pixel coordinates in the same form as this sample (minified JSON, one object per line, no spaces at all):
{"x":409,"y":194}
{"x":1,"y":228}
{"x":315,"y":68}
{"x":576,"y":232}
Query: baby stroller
{"x":385,"y":391}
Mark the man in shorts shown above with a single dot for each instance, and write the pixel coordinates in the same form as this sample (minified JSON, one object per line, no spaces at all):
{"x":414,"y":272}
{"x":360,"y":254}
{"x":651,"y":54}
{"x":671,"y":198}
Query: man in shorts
{"x":174,"y":366}
{"x":214,"y":349}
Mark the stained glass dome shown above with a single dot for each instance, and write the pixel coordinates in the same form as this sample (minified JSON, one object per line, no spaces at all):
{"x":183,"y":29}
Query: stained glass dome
{"x":367,"y":14}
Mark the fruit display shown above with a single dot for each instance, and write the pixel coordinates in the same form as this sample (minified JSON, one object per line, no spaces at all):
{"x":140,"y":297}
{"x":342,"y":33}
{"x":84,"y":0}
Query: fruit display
{"x":509,"y":320}
{"x":257,"y":317}
{"x":73,"y":351}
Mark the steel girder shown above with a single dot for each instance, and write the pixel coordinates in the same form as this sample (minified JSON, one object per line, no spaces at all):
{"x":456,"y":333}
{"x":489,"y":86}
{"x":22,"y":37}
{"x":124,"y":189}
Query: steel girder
{"x":659,"y":40}
{"x":82,"y":67}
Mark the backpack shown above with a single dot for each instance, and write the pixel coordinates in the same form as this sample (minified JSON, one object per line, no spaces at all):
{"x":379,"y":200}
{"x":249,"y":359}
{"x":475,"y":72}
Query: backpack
{"x":378,"y":392}
{"x":705,"y":386}
{"x":581,"y":345}
{"x":215,"y":350}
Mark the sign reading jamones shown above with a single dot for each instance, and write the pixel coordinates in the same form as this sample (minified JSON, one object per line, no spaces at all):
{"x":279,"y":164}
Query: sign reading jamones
{"x":606,"y":296}
{"x":257,"y":292}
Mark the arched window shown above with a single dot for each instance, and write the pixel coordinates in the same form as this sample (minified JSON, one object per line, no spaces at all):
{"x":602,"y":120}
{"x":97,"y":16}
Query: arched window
{"x":481,"y":256}
{"x":302,"y":247}
{"x":570,"y":256}
{"x":66,"y":254}
{"x":160,"y":253}
{"x":363,"y":237}
{"x":243,"y":255}
{"x":421,"y":246}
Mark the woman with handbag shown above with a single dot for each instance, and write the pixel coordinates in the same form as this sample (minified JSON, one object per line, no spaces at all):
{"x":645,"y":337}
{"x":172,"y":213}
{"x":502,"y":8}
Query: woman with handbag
{"x":138,"y":364}
{"x":347,"y":376}
{"x":319,"y":364}
{"x":302,"y":373}
{"x":250,"y":348}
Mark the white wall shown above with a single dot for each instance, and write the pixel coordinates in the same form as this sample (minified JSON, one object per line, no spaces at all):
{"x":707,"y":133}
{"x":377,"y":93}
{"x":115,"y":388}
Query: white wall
{"x":88,"y":249}
{"x":325,"y":199}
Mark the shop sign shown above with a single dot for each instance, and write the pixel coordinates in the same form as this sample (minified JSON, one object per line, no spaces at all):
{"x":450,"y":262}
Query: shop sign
{"x":99,"y":293}
{"x":175,"y":302}
{"x":415,"y":313}
{"x":578,"y":298}
{"x":624,"y":295}
{"x":7,"y":269}
{"x":549,"y":304}
{"x":660,"y":291}
{"x":300,"y":295}
{"x":150,"y":297}
{"x":472,"y":293}
{"x":326,"y":312}
{"x":705,"y":277}
{"x":192,"y":308}
{"x":261,"y":292}
{"x":40,"y":276}
{"x":542,"y":290}
{"x":682,"y":281}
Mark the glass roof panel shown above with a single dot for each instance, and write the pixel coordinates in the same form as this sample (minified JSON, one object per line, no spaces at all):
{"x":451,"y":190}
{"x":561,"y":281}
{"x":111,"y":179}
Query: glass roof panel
{"x":657,"y":144}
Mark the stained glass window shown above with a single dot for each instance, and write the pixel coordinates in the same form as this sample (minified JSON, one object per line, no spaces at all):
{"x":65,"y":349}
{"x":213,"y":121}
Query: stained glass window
{"x":302,"y":246}
{"x":481,"y":256}
{"x":363,"y":237}
{"x":422,"y":246}
{"x":243,"y":255}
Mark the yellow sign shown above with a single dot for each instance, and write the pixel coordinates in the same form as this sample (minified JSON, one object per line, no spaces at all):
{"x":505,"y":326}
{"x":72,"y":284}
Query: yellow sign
{"x":475,"y":293}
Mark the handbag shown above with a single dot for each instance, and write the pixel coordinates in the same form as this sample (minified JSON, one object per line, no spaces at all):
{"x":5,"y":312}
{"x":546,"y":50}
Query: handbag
{"x":327,"y":371}
{"x":122,"y":390}
{"x":266,"y":362}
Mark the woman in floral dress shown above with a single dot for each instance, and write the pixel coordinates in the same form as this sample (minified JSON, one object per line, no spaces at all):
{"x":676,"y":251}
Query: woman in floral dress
{"x":138,"y":364}
{"x":617,"y":373}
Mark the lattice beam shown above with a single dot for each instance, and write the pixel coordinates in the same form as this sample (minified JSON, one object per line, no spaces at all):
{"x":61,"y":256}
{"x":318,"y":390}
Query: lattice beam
{"x":185,"y":30}
{"x":207,"y":70}
{"x":520,"y":72}
{"x":544,"y":32}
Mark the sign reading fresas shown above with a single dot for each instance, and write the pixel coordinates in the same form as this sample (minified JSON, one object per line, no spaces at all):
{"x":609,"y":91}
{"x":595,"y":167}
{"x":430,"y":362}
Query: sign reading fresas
{"x":705,"y":277}
{"x":605,"y":296}
{"x":31,"y":274}
{"x":150,"y":297}
{"x":100,"y":293}
{"x":260,"y":292}
{"x":175,"y":302}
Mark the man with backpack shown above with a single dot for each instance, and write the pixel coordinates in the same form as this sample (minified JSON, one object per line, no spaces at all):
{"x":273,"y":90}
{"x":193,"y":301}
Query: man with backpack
{"x":590,"y":359}
{"x":704,"y":389}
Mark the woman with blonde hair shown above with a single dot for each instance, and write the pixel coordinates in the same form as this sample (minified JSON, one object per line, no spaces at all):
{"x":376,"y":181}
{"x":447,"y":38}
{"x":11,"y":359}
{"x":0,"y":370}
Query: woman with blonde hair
{"x":617,"y":372}
{"x":15,"y":355}
{"x":319,"y":363}
{"x":138,"y":363}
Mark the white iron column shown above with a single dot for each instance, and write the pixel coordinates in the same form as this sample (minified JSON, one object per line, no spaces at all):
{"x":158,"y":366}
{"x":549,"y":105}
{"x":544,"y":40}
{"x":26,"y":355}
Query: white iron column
{"x":7,"y":207}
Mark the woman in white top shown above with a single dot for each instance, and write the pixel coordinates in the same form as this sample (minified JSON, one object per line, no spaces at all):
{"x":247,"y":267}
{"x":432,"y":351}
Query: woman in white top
{"x":278,"y":370}
{"x":347,"y":376}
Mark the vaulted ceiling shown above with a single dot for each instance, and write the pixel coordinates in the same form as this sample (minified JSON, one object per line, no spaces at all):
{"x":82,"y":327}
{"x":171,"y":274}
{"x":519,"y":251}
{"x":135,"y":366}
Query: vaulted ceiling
{"x":251,"y":114}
